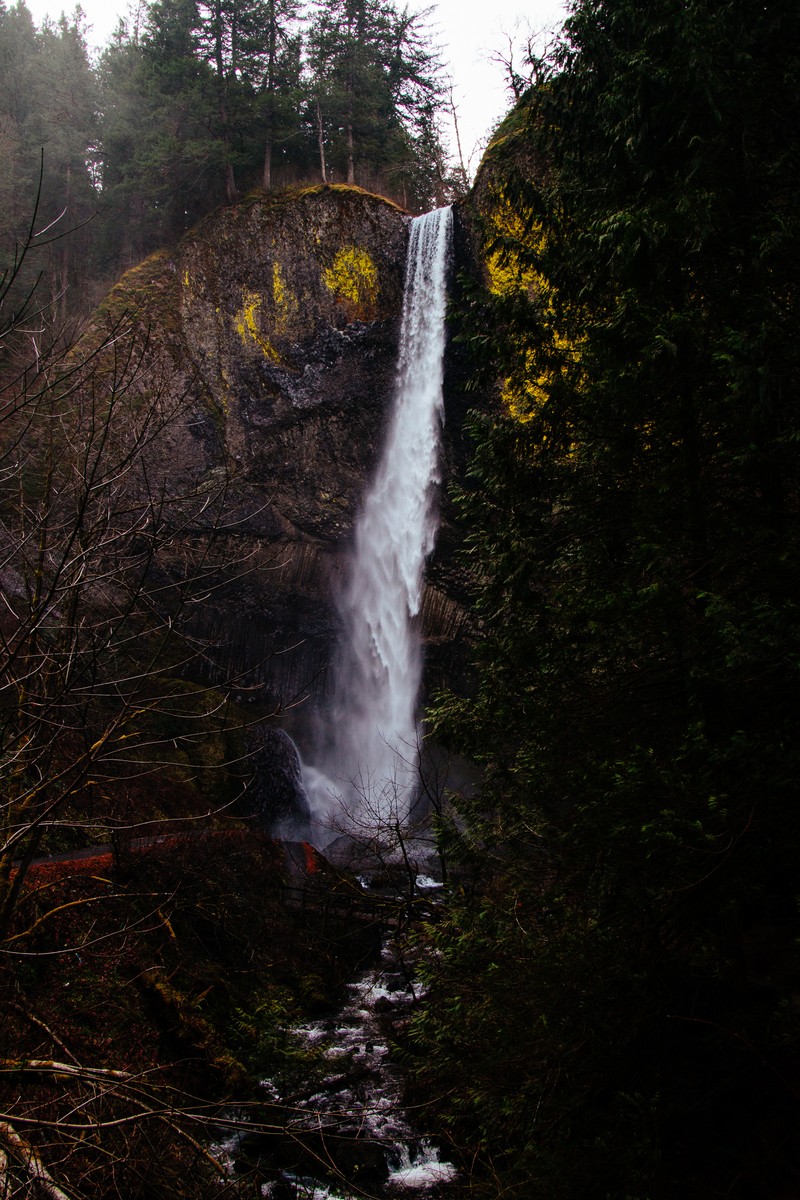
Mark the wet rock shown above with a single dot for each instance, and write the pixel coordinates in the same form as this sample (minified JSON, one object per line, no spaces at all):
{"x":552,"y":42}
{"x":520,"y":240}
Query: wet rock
{"x":271,"y":337}
{"x":275,"y":797}
{"x":395,"y":983}
{"x":354,"y":854}
{"x":357,"y":1159}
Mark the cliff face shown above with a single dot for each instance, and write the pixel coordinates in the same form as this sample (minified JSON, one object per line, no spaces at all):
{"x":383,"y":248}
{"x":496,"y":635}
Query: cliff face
{"x":273,"y":329}
{"x":289,"y":314}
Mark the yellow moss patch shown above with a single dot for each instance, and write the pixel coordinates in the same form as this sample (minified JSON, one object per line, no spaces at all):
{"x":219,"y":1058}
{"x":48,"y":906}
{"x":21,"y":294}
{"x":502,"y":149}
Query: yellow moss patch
{"x":286,"y":306}
{"x":278,"y":286}
{"x":248,"y":325}
{"x":507,"y":272}
{"x":353,"y":279}
{"x":510,"y":272}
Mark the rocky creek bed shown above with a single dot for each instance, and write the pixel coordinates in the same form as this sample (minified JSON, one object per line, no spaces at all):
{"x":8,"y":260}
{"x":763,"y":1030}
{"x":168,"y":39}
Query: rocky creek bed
{"x":349,"y":1136}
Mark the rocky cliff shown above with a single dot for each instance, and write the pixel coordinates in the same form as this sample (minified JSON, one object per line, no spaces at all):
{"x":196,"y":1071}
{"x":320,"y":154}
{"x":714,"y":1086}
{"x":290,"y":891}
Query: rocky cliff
{"x":272,"y":329}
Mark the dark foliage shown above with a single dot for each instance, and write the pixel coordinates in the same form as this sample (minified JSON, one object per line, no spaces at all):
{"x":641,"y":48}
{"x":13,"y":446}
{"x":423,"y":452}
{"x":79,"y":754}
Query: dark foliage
{"x":622,"y":984}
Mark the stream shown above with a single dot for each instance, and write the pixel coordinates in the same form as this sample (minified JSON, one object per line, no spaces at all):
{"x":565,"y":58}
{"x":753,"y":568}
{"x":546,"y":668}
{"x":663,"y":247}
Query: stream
{"x":352,"y":1138}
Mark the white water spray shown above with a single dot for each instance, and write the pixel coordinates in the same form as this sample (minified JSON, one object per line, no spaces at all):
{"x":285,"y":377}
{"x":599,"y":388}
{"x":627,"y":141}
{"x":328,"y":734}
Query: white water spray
{"x":367,"y":762}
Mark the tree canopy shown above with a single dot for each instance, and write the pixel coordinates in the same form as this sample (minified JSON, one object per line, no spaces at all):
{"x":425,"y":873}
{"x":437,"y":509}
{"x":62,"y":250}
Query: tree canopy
{"x":632,"y":523}
{"x":198,"y":102}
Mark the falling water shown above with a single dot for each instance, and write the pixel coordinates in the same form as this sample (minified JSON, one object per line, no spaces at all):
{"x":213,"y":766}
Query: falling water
{"x":366,"y":768}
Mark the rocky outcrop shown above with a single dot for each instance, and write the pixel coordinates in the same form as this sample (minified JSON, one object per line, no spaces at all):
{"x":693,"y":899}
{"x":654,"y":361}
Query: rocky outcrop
{"x":275,"y":798}
{"x":272,"y":332}
{"x":289,"y":314}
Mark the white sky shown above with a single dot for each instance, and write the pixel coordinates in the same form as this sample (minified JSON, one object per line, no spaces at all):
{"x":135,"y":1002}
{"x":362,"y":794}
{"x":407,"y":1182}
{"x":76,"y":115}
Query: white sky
{"x":468,"y":31}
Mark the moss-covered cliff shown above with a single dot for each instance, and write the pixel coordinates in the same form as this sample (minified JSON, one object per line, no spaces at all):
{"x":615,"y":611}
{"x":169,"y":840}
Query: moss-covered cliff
{"x":273,"y":328}
{"x":614,"y":1012}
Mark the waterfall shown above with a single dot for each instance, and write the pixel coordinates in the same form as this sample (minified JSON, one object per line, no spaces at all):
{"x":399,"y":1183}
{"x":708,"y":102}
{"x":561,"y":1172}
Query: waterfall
{"x":366,"y":764}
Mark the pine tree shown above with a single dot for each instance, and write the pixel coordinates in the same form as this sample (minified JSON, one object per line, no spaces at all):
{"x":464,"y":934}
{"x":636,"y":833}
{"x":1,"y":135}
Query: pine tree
{"x":633,"y":528}
{"x":279,"y":87}
{"x":48,"y":118}
{"x":376,"y":88}
{"x":67,"y":129}
{"x":226,"y":41}
{"x":163,"y":155}
{"x":18,"y":49}
{"x":124,"y":129}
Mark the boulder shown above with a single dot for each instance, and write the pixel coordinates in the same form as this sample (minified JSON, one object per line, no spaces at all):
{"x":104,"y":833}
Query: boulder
{"x":275,"y":799}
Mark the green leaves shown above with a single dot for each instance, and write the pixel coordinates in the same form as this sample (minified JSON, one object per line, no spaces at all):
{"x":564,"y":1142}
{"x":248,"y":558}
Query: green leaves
{"x":634,"y":548}
{"x":376,"y":82}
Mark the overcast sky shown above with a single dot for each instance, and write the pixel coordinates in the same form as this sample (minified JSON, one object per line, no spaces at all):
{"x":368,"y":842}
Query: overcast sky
{"x":469,"y":31}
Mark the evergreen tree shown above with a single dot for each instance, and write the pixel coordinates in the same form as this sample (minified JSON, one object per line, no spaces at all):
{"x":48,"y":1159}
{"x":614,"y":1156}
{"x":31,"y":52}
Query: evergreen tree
{"x":163,"y":156}
{"x":229,"y":41}
{"x":18,"y":48}
{"x":376,"y":87}
{"x":280,"y":89}
{"x":48,"y":124}
{"x":125,"y":123}
{"x":66,"y":127}
{"x":193,"y":107}
{"x":633,"y":518}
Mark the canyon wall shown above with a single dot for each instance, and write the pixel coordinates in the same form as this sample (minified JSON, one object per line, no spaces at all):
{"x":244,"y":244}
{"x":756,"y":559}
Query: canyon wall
{"x":272,"y":332}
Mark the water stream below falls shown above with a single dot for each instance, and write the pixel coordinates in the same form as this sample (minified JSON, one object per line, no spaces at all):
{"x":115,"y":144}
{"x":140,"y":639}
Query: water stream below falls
{"x":349,"y":1137}
{"x":362,"y":1127}
{"x":364,"y":773}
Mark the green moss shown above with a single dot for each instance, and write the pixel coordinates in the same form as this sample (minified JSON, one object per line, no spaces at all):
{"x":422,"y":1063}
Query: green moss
{"x":150,"y":289}
{"x":275,"y":202}
{"x":344,"y":189}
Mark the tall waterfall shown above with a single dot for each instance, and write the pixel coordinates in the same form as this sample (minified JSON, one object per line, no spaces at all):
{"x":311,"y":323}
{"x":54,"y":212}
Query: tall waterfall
{"x":366,"y":768}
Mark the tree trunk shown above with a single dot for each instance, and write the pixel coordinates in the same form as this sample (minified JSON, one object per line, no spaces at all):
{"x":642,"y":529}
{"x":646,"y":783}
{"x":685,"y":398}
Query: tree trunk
{"x":272,"y":51}
{"x":266,"y":179}
{"x":321,"y":140}
{"x":351,"y":170}
{"x":231,"y":193}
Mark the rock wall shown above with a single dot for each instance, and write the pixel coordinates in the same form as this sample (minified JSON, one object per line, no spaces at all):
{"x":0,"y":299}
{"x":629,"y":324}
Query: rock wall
{"x":273,"y":330}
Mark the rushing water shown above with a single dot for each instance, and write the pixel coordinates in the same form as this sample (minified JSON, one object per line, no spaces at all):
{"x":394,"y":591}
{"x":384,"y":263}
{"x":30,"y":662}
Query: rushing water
{"x":352,"y":1138}
{"x":370,"y":1109}
{"x":365,"y":770}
